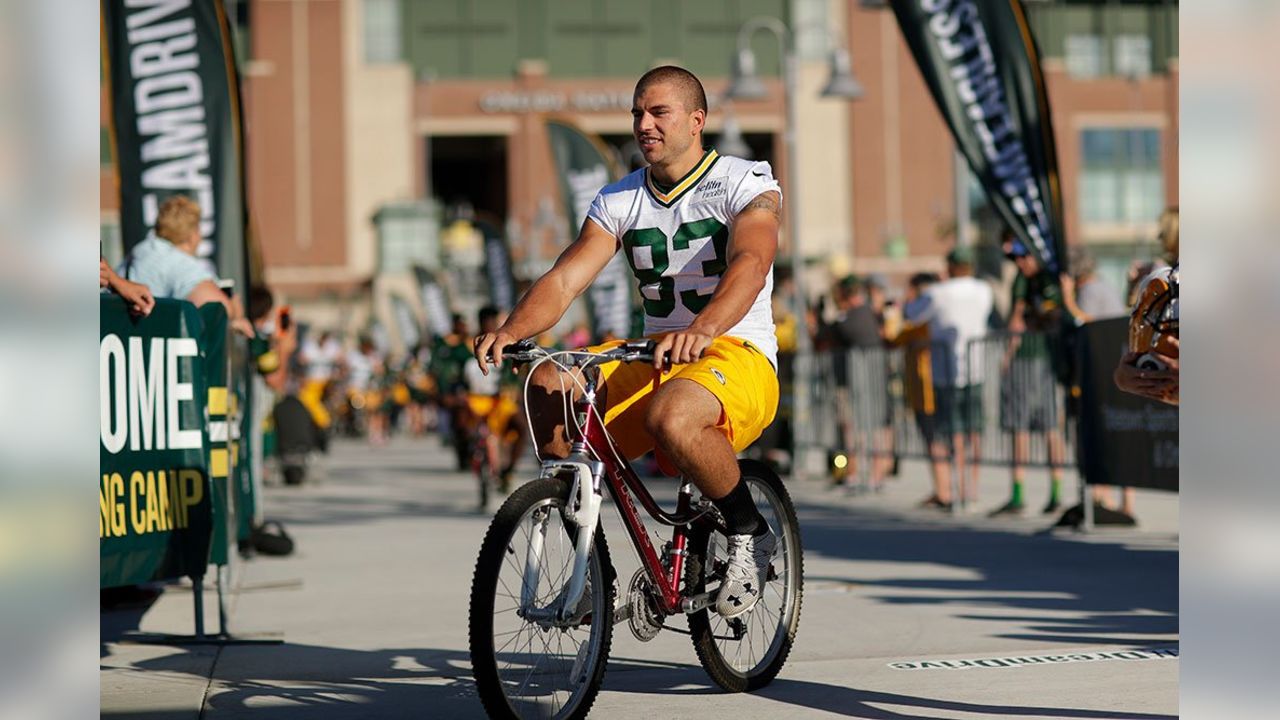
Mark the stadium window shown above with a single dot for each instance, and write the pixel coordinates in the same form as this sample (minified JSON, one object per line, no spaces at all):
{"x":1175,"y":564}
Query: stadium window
{"x":1085,"y":56}
{"x":1121,"y":183}
{"x":1133,"y":56}
{"x":408,"y":235}
{"x":381,"y":31}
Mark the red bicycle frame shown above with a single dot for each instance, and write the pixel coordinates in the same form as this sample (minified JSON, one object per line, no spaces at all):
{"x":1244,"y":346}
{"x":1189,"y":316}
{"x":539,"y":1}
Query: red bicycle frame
{"x":622,"y":481}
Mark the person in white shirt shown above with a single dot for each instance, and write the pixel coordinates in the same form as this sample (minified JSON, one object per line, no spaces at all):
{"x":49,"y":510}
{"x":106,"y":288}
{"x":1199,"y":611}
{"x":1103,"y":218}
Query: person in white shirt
{"x":956,"y":311}
{"x":700,"y":232}
{"x":321,"y":357}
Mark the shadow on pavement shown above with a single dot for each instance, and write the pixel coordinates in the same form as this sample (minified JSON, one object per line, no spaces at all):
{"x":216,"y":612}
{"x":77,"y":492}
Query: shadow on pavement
{"x":306,"y":681}
{"x":851,"y":702}
{"x":1101,"y":588}
{"x":303,"y":681}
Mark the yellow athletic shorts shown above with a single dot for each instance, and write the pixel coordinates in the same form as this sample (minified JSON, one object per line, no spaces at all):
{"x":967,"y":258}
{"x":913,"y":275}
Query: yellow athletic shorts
{"x":311,"y":395}
{"x":496,"y":411}
{"x":734,"y":370}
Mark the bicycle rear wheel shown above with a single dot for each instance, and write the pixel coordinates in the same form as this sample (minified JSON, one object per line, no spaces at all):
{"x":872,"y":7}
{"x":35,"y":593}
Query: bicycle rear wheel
{"x":524,"y":668}
{"x":749,"y":656}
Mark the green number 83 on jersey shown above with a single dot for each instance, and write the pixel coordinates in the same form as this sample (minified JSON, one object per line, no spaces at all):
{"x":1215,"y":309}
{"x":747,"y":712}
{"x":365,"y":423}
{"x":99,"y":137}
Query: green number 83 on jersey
{"x":657,"y":242}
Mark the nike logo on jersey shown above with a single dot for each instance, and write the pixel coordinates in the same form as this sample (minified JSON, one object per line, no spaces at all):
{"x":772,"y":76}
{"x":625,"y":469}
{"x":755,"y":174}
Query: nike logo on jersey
{"x":719,"y":375}
{"x":757,"y":174}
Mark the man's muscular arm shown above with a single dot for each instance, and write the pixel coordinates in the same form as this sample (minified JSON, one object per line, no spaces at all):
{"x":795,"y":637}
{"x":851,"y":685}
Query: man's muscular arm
{"x":753,"y":243}
{"x":550,"y":296}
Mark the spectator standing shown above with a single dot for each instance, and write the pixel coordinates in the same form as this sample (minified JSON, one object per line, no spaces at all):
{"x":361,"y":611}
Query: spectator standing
{"x":956,"y":312}
{"x":1029,"y":393}
{"x":858,"y":368}
{"x":918,"y":373}
{"x":1088,"y":298}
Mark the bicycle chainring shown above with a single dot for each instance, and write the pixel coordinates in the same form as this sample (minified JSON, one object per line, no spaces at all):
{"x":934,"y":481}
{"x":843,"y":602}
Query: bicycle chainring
{"x":645,"y":621}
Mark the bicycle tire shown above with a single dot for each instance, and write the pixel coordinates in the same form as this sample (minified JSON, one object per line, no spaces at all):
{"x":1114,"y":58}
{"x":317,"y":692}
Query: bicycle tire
{"x":705,"y":624}
{"x":494,"y":557}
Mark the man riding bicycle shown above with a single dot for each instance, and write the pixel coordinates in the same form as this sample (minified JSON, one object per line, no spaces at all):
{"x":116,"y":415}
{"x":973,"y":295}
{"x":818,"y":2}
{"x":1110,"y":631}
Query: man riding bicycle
{"x":700,"y":232}
{"x":488,"y":404}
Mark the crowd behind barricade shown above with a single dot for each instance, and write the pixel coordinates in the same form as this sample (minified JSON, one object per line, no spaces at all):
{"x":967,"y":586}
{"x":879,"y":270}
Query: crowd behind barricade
{"x":935,"y":367}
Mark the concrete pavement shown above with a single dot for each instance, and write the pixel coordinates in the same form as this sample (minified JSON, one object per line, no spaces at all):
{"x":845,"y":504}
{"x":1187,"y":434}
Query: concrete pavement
{"x":373,"y":610}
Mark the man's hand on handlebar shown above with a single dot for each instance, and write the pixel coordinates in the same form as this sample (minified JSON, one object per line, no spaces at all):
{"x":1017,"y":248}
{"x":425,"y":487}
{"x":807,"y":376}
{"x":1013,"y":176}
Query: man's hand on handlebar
{"x":492,"y":344}
{"x":681,"y":347}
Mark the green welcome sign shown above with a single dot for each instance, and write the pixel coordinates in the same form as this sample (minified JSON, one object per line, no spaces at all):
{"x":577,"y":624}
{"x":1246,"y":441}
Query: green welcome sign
{"x":155,"y":494}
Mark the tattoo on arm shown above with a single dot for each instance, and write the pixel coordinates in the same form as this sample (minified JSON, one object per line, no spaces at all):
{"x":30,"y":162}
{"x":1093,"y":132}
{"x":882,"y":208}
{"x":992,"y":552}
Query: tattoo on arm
{"x":770,"y":202}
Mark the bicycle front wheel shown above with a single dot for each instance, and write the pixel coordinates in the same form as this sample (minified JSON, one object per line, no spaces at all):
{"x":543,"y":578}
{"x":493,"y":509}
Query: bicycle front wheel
{"x":525,"y":664}
{"x":748,"y":652}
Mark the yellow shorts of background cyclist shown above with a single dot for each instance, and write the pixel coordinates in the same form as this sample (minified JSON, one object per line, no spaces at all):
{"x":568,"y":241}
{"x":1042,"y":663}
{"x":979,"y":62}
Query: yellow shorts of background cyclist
{"x":311,"y":395}
{"x":497,"y":411}
{"x":734,"y":370}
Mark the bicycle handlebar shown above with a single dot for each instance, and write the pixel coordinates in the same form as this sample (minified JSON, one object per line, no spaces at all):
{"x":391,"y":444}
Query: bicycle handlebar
{"x":527,"y":351}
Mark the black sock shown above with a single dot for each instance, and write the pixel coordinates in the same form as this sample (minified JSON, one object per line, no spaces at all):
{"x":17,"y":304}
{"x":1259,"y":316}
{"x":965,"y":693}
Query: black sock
{"x":741,"y":516}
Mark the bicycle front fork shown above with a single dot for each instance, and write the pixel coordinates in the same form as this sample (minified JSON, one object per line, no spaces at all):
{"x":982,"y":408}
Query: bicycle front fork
{"x":582,"y":509}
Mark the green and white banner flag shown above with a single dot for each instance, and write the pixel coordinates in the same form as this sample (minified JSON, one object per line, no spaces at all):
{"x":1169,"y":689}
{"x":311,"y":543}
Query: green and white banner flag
{"x":584,"y":167}
{"x":983,"y":68}
{"x":435,"y":301}
{"x":406,"y":322}
{"x":175,"y":111}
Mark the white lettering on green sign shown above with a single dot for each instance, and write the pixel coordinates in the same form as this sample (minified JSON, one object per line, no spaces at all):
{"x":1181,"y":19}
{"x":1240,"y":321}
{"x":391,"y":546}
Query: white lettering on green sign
{"x":140,"y":394}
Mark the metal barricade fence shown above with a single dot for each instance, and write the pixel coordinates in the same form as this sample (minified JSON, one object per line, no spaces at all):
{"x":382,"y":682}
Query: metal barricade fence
{"x":871,"y":403}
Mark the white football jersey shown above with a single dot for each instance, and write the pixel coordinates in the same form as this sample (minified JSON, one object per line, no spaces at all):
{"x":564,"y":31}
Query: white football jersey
{"x":677,"y":242}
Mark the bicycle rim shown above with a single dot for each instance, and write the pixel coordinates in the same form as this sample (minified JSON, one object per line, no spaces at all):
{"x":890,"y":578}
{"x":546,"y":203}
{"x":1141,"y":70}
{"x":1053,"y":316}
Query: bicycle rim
{"x":546,"y":672}
{"x":771,"y":624}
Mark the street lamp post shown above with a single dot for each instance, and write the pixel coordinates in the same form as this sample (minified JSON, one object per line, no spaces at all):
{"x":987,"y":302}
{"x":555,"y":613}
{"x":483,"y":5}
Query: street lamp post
{"x":746,"y":85}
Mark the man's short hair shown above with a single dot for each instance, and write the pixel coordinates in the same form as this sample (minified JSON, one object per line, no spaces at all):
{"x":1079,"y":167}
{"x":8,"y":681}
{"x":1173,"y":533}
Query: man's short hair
{"x":487,"y":313}
{"x":179,"y":216}
{"x":686,"y":84}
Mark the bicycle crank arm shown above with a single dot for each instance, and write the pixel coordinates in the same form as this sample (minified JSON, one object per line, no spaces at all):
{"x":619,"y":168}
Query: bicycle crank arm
{"x":697,"y":602}
{"x":622,"y":612}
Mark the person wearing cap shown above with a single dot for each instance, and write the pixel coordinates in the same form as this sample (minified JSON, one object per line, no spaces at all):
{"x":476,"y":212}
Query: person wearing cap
{"x":1029,"y":399}
{"x":956,"y":312}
